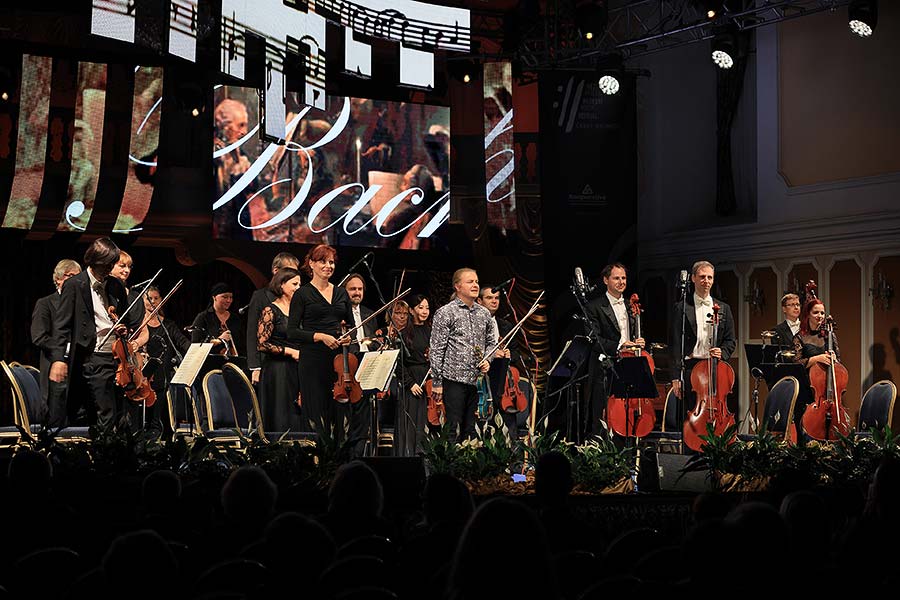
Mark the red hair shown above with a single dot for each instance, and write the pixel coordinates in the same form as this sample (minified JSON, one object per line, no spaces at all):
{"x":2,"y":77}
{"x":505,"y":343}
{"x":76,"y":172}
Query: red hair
{"x":805,"y":312}
{"x":317,"y":253}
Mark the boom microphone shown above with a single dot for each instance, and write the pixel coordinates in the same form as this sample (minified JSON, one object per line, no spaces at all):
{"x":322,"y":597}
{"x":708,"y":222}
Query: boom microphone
{"x":243,"y":309}
{"x":580,"y":284}
{"x":352,"y":269}
{"x":502,"y":286}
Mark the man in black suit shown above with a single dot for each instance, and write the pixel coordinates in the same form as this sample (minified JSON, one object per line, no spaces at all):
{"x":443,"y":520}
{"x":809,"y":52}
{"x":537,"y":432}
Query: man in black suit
{"x":787,"y":329}
{"x":80,"y":324}
{"x":53,"y":393}
{"x":259,"y":300}
{"x":697,"y":331}
{"x":360,"y":413}
{"x":611,"y":327}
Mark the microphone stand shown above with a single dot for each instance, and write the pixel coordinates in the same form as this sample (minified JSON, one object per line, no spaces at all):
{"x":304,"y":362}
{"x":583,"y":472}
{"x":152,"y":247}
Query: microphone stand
{"x":373,"y":417}
{"x":753,"y":424}
{"x":608,"y":363}
{"x":680,"y":402}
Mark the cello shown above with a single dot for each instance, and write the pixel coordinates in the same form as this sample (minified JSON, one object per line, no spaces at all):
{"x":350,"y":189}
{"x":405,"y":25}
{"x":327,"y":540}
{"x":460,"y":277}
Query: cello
{"x":634,"y":417}
{"x":346,"y":388}
{"x":712,"y":379}
{"x":827,"y":415}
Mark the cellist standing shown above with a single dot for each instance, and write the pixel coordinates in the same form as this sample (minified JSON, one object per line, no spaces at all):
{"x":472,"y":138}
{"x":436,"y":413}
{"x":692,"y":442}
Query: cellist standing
{"x":696,"y":310}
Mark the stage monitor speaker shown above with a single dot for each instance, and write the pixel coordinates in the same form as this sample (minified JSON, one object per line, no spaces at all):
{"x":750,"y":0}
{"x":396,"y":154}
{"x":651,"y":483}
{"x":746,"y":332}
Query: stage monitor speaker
{"x":403,"y":479}
{"x":664,"y":472}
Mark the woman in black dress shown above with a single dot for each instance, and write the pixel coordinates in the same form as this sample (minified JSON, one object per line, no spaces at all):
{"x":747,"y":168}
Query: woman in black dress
{"x":219,"y":325}
{"x":809,"y":348}
{"x":279,"y":383}
{"x":156,"y":341}
{"x":314,"y":323}
{"x":416,"y":337}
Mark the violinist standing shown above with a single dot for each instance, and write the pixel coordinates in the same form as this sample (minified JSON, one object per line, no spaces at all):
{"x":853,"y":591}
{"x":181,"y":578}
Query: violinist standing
{"x":414,"y":405}
{"x":219,"y":324}
{"x":810,"y":348}
{"x":156,"y":342}
{"x":611,"y":327}
{"x":489,"y":298}
{"x":279,"y":383}
{"x":697,"y":330}
{"x":461,"y":334}
{"x":42,"y":332}
{"x":317,"y":310}
{"x":80,"y":322}
{"x":360,"y":412}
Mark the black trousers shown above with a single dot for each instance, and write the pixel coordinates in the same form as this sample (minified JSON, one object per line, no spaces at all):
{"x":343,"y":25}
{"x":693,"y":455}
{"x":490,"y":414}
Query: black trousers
{"x":359,"y":428}
{"x":56,"y":403}
{"x":98,"y":375}
{"x":460,"y":402}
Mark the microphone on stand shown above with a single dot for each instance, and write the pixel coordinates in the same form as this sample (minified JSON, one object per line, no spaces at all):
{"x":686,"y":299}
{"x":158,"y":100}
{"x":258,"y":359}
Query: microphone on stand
{"x":192,"y":329}
{"x":683,"y":278}
{"x":352,"y":269}
{"x":243,"y":309}
{"x":580,"y":284}
{"x":141,"y":284}
{"x":502,"y":286}
{"x":757,"y":373}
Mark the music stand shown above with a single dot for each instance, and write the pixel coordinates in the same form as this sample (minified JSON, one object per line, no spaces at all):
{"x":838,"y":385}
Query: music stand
{"x":764,"y":357}
{"x":568,"y":364}
{"x":635,"y":380}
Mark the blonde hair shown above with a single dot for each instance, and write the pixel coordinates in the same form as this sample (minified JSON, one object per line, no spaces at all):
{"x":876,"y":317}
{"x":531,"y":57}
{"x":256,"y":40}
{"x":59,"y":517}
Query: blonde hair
{"x":457,"y":275}
{"x":66,"y":264}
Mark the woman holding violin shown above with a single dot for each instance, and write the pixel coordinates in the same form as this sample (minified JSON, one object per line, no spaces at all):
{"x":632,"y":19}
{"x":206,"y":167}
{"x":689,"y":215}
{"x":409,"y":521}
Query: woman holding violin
{"x":416,"y":405}
{"x":155,"y":343}
{"x":816,"y":347}
{"x":317,"y":310}
{"x":219,"y":325}
{"x":279,"y":382}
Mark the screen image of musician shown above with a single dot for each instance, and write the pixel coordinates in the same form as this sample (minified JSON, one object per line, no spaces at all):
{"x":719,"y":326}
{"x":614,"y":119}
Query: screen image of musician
{"x":362,"y":172}
{"x":462,"y":332}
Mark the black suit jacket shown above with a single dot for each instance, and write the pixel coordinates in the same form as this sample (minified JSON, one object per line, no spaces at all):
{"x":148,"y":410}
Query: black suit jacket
{"x":606,"y":334}
{"x":785,"y":337}
{"x":73,"y":322}
{"x":42,"y":334}
{"x":259,"y":300}
{"x":726,"y":340}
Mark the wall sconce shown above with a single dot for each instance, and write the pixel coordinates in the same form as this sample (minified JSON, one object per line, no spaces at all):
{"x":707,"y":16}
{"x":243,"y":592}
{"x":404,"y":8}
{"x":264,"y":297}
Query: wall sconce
{"x":755,"y":298}
{"x":882,"y":292}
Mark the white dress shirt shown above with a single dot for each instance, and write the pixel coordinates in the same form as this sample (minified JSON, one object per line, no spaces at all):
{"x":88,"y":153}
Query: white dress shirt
{"x":794,"y":325}
{"x":360,"y":335}
{"x":618,"y":306}
{"x":702,"y":308}
{"x":102,"y":320}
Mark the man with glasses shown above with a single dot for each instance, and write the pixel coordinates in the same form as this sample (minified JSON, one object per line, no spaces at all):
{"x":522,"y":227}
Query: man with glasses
{"x":787,"y":329}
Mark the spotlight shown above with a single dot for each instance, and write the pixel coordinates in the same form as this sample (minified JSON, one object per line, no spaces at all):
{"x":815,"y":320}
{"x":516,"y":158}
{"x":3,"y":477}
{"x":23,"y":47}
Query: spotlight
{"x":725,"y":50}
{"x":464,"y":70}
{"x":609,"y":84}
{"x":591,"y":17}
{"x":191,"y":99}
{"x":711,"y":8}
{"x":609,"y":74}
{"x":862,"y":16}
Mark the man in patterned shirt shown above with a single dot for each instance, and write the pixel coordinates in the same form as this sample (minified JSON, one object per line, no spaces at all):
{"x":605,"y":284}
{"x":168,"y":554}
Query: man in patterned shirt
{"x":461,"y":334}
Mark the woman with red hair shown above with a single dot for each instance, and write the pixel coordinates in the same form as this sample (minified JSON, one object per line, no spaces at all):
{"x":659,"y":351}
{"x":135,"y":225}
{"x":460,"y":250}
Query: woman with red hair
{"x":809,"y":344}
{"x":314,"y":323}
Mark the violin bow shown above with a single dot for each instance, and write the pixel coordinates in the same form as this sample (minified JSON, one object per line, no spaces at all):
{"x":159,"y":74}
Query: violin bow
{"x":130,"y":306}
{"x":506,"y":339}
{"x":347,"y":334}
{"x":155,"y":310}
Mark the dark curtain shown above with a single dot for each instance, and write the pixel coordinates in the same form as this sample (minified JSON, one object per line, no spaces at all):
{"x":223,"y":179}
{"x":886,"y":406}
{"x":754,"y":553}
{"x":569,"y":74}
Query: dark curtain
{"x":729,"y":86}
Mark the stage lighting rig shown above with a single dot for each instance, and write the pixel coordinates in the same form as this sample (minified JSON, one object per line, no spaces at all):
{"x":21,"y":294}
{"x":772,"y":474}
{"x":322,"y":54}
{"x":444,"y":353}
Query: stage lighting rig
{"x":862,"y":16}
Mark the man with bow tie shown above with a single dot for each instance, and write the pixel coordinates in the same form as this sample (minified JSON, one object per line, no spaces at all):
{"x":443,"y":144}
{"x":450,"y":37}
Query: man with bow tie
{"x":787,"y":329}
{"x":612,"y":325}
{"x":80,"y":324}
{"x":698,"y":330}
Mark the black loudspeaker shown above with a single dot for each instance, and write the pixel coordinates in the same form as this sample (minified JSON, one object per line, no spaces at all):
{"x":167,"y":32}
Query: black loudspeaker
{"x":662,"y":472}
{"x":403,"y":479}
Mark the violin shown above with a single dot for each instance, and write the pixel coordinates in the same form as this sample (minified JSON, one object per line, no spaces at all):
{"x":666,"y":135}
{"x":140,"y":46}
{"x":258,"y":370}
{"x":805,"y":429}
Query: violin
{"x":827,"y":416}
{"x":346,"y":388}
{"x":437,"y":412}
{"x":712,"y":379}
{"x":513,"y":399}
{"x":634,"y":417}
{"x":129,"y":372}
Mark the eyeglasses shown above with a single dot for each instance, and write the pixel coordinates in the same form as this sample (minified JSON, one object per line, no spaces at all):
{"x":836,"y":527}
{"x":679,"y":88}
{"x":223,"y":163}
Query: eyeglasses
{"x":795,"y":304}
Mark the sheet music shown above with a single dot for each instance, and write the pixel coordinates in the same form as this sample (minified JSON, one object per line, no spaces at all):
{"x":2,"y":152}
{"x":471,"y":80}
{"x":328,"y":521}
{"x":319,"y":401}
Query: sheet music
{"x":192,"y":363}
{"x":376,"y":368}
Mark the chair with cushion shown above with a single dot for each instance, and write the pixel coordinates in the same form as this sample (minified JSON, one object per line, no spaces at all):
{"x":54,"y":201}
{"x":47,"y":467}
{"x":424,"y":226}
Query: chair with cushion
{"x":778,"y":411}
{"x":221,"y":423}
{"x":184,"y":412}
{"x":668,"y":435}
{"x":9,"y":432}
{"x":877,"y":407}
{"x":31,"y":409}
{"x":243,"y":398}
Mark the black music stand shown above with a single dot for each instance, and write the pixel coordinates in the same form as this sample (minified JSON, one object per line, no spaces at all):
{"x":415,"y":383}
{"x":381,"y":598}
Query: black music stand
{"x":635,"y":380}
{"x":764,"y":357}
{"x":568,"y":364}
